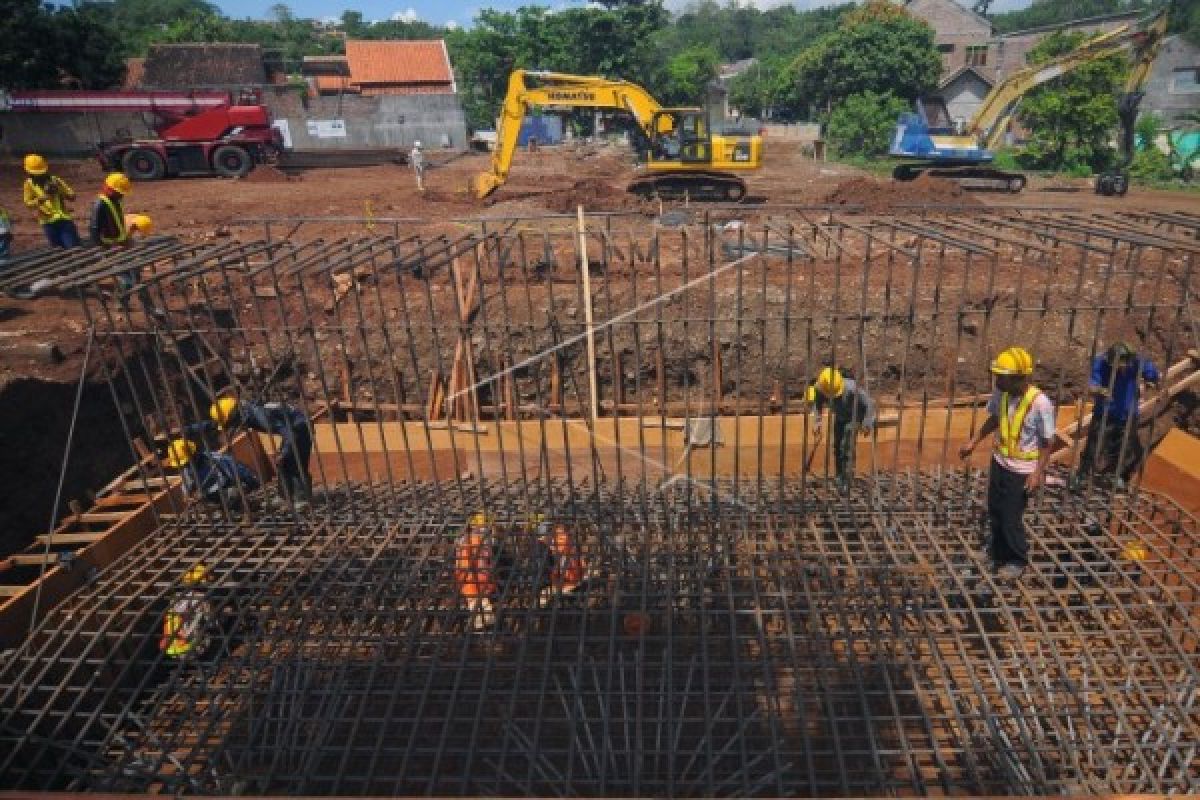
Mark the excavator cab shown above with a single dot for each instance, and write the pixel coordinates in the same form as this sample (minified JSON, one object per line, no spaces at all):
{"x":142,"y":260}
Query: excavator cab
{"x":685,"y":157}
{"x":681,"y":136}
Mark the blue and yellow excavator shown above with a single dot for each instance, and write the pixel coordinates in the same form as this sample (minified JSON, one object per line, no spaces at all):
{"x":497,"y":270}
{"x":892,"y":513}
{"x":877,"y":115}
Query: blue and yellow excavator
{"x":937,"y":146}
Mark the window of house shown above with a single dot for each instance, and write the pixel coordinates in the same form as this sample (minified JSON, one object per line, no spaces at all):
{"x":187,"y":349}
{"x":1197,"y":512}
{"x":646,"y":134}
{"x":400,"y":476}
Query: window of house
{"x":1185,"y":81}
{"x":945,"y":48}
{"x":977,"y":55}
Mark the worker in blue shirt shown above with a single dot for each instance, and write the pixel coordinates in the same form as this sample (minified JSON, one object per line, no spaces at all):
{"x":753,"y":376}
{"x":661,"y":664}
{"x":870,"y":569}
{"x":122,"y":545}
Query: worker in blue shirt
{"x":215,"y":477}
{"x":284,"y":421}
{"x":1115,"y":385}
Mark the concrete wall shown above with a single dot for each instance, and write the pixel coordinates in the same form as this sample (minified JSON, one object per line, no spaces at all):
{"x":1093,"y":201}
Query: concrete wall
{"x":66,"y":134}
{"x":384,"y":121}
{"x":1163,"y":94}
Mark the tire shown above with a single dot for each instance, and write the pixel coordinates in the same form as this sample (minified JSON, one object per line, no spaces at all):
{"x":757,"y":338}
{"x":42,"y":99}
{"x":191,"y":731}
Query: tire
{"x":1120,"y":185}
{"x":231,"y":161}
{"x":1015,"y":185}
{"x":734,"y":192}
{"x":142,"y":164}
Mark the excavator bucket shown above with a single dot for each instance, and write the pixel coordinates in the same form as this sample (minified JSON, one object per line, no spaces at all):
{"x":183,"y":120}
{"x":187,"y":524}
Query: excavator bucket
{"x":484,"y":184}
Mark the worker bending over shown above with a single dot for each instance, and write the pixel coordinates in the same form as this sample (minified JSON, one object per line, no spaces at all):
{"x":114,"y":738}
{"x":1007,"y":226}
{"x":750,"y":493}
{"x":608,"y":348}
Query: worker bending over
{"x":853,"y":412}
{"x":187,"y":626}
{"x":1022,"y":417}
{"x":284,"y":421}
{"x":47,"y":195}
{"x":1115,"y":385}
{"x":214,"y":477}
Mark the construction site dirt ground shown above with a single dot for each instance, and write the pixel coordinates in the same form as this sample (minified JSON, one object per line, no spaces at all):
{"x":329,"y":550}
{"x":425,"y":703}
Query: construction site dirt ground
{"x":553,"y":181}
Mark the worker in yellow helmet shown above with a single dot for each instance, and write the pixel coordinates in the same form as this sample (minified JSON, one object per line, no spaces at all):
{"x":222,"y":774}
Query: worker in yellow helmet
{"x":188,"y":622}
{"x":853,"y":412}
{"x":278,"y":419}
{"x":109,"y":228}
{"x":215,"y":477}
{"x":48,"y":195}
{"x":1022,"y":418}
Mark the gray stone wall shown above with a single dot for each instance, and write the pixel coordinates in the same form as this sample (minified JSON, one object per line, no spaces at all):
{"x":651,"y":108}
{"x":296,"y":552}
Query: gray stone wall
{"x":379,"y":122}
{"x":1162,"y":93}
{"x":73,"y":134}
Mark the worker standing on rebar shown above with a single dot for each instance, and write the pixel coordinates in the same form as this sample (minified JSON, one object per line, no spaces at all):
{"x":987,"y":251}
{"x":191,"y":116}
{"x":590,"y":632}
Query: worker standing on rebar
{"x":187,"y":625}
{"x":278,"y":419}
{"x":109,"y":228}
{"x":853,"y":412}
{"x":6,"y":234}
{"x":1115,"y":384}
{"x":1022,"y":417}
{"x":214,"y":477}
{"x":417,"y":158}
{"x":475,"y":569}
{"x":48,"y":195}
{"x":565,"y":556}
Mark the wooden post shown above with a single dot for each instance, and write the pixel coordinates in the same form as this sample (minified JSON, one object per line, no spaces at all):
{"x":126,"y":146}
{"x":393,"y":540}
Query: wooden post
{"x":587,"y":317}
{"x":660,"y":367}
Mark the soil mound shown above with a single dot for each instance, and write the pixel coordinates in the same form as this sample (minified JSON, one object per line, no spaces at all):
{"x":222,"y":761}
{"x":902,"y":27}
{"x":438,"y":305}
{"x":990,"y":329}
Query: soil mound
{"x":265,"y":173}
{"x":875,"y":195}
{"x":593,"y":194}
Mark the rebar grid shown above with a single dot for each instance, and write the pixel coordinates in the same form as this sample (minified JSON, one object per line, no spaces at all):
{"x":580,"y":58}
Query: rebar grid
{"x":712,"y":651}
{"x":742,"y":629}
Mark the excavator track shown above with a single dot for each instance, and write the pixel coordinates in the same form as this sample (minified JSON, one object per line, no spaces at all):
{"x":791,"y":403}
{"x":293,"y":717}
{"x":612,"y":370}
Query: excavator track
{"x":971,"y":177}
{"x":700,"y":185}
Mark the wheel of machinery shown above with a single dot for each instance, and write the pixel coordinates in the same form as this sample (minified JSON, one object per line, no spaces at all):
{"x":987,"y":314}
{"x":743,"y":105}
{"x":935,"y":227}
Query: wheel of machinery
{"x":1120,"y":185}
{"x":1016,"y":184}
{"x":143,"y":164}
{"x":231,"y":161}
{"x":734,"y":192}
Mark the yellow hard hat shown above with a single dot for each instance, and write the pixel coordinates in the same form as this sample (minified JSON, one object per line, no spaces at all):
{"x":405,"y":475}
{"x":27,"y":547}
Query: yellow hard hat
{"x":831,"y":383}
{"x":1134,"y":551}
{"x":222,"y":410}
{"x":140,"y":222}
{"x":1013,"y":361}
{"x":118,"y":182}
{"x":197,"y":574}
{"x":36,"y":165}
{"x":180,"y":452}
{"x":478,"y":519}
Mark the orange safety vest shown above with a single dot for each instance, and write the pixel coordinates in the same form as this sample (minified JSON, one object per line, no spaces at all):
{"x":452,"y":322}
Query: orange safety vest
{"x":473,"y":571}
{"x":1008,"y":442}
{"x":567,"y":571}
{"x":174,"y":641}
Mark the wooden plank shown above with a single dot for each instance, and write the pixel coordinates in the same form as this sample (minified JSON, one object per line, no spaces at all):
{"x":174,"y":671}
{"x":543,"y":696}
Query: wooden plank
{"x":11,"y":591}
{"x":71,"y":538}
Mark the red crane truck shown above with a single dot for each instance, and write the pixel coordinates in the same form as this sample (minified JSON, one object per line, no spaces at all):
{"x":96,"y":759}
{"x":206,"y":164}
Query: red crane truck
{"x":199,"y":132}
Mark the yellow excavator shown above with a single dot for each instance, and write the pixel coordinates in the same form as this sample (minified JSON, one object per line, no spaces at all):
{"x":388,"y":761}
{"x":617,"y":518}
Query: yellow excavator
{"x":682,"y":154}
{"x":930,"y":138}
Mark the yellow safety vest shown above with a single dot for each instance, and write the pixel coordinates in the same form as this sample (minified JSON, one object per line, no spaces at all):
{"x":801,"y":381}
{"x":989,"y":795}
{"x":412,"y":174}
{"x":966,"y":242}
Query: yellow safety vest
{"x":1007,"y":444}
{"x":119,"y":219}
{"x":48,"y":199}
{"x":174,"y":641}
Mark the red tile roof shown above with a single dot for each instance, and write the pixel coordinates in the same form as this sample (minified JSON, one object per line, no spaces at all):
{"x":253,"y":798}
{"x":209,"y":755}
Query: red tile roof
{"x":403,"y":63}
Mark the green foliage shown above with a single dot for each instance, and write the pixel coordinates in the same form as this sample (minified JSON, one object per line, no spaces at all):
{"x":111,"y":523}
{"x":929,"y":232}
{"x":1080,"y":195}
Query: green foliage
{"x":880,"y":48}
{"x":1151,"y":164}
{"x":737,"y":31}
{"x":863,"y":123}
{"x":1051,"y":12}
{"x":757,"y":91}
{"x":688,"y":74}
{"x":1147,"y":129}
{"x":57,"y":47}
{"x":1006,"y":160}
{"x":1183,"y":17}
{"x":1071,"y":118}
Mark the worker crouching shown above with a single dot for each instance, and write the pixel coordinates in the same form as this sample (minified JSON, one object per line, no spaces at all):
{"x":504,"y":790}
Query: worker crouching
{"x":187,"y":626}
{"x":1022,"y":418}
{"x":278,"y":419}
{"x":213,"y":477}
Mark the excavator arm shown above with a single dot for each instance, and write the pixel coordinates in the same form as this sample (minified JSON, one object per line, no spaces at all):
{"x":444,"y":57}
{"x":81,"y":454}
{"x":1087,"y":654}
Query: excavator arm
{"x":557,"y":89}
{"x":991,"y":120}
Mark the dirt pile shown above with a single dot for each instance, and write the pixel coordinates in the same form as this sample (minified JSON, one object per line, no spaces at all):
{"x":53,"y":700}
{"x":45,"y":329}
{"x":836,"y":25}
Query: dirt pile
{"x":594,"y":194}
{"x":875,"y":195}
{"x":265,"y":173}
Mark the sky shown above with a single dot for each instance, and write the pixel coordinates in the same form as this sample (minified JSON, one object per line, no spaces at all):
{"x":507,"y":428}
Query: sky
{"x":460,"y":12}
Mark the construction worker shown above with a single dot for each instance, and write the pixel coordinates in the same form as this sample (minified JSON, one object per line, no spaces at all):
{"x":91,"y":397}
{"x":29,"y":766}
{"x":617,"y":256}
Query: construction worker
{"x":475,"y":568}
{"x":1115,"y":385}
{"x":187,"y":625}
{"x":48,"y":195}
{"x":566,"y":560}
{"x":284,"y":421}
{"x":1022,"y":417}
{"x":853,"y":412}
{"x":417,"y":158}
{"x":215,"y":477}
{"x":6,"y":233}
{"x":109,"y":228}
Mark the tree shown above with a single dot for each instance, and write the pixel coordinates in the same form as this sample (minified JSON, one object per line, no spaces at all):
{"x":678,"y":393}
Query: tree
{"x":688,"y":75}
{"x":879,"y":48}
{"x":756,"y":91}
{"x":862,"y":124}
{"x":66,"y":47}
{"x":1052,"y":12}
{"x":1071,"y":118}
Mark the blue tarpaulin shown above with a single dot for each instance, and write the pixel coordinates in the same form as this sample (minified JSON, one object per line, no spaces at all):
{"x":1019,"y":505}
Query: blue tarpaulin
{"x":546,"y":129}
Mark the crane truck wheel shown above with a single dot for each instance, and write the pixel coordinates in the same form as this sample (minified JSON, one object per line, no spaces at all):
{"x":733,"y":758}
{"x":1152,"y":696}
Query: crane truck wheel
{"x":231,"y":161}
{"x":143,"y":165}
